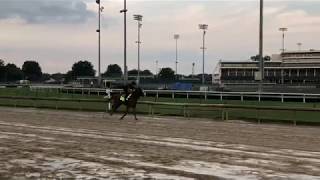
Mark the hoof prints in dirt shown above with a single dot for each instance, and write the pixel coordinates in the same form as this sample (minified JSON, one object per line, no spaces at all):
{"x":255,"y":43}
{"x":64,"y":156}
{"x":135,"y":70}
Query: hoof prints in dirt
{"x":36,"y":147}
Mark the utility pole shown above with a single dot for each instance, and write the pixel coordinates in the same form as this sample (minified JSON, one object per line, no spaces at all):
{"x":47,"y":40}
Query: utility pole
{"x":203,"y":27}
{"x":176,"y":37}
{"x":124,"y":11}
{"x":193,"y":64}
{"x":261,"y":63}
{"x":100,"y":9}
{"x":283,"y":30}
{"x":138,"y":18}
{"x":157,"y":66}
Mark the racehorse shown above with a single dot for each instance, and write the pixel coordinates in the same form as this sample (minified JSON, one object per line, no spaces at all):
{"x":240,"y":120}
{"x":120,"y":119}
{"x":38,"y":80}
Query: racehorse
{"x":117,"y":101}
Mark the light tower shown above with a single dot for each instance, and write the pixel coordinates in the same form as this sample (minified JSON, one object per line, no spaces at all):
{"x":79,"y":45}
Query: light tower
{"x":176,"y":37}
{"x":203,"y":27}
{"x":283,"y":30}
{"x":261,"y":63}
{"x":138,"y":18}
{"x":157,"y":69}
{"x":124,"y":11}
{"x":193,"y":64}
{"x":100,"y":9}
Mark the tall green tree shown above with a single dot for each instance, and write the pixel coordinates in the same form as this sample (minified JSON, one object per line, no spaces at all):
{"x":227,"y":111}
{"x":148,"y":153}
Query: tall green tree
{"x":69,"y":77}
{"x":32,"y":70}
{"x":82,"y":68}
{"x":133,"y":72}
{"x":45,"y":77}
{"x":58,"y":77}
{"x":166,"y":74}
{"x":146,"y":72}
{"x":13,"y":73}
{"x":2,"y":71}
{"x":113,"y":70}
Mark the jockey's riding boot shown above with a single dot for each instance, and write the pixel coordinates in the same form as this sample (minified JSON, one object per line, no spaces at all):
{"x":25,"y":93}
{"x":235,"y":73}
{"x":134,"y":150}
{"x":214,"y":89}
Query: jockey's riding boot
{"x":128,"y":97}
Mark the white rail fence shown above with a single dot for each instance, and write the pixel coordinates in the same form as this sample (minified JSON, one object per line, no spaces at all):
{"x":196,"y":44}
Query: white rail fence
{"x":242,"y":96}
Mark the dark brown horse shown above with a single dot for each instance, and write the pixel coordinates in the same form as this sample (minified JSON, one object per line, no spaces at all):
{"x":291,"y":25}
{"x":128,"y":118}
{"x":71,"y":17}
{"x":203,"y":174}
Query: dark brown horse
{"x":131,"y":103}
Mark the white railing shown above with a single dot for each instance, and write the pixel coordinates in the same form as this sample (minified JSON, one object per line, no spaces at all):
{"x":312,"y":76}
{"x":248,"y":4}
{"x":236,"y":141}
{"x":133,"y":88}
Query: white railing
{"x":302,"y":97}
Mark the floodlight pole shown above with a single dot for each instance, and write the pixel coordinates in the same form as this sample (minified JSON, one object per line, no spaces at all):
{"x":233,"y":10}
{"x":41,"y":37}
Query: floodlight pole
{"x":193,"y":64}
{"x":139,"y":19}
{"x":157,"y":67}
{"x":99,"y":42}
{"x":203,"y":51}
{"x":283,"y":30}
{"x":176,"y":37}
{"x":261,"y":63}
{"x":203,"y":27}
{"x":124,"y":11}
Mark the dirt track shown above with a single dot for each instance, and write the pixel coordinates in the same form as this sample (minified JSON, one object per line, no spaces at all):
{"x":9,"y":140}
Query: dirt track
{"x":60,"y":144}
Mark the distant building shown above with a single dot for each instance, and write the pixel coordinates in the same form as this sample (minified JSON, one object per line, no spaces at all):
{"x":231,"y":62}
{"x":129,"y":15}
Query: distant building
{"x":289,"y":67}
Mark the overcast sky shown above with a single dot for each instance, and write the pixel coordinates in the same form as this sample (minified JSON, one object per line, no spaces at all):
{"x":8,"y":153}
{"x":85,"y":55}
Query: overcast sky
{"x":57,"y":33}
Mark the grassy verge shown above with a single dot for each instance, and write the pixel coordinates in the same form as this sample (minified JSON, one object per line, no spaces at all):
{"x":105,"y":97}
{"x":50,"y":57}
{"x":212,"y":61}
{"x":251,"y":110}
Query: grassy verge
{"x":205,"y":112}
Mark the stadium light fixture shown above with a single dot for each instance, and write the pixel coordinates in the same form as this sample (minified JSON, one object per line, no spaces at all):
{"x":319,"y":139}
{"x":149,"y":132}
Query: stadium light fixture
{"x":283,"y":30}
{"x":138,"y":18}
{"x":176,"y":37}
{"x":203,"y":27}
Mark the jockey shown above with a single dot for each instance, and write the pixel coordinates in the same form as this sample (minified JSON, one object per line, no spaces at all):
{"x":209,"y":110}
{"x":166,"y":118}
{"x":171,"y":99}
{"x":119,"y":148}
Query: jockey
{"x":128,"y":90}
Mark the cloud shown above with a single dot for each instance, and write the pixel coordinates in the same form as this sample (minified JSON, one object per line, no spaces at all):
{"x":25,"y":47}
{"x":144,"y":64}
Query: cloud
{"x":308,"y":6}
{"x":45,"y":11}
{"x":232,"y":35}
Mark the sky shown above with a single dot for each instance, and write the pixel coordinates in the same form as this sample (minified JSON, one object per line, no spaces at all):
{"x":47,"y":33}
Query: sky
{"x":58,"y":33}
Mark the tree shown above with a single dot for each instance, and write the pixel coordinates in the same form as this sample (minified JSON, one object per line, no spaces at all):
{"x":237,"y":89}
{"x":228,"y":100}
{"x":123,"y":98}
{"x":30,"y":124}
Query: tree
{"x":13,"y":73}
{"x":133,"y":72}
{"x":82,"y":68}
{"x":69,"y":77}
{"x":267,"y":58}
{"x":256,"y":58}
{"x":45,"y":77}
{"x":207,"y":77}
{"x":166,"y":74}
{"x":146,"y":72}
{"x":2,"y":70}
{"x":32,"y":70}
{"x":58,"y":77}
{"x":113,"y":70}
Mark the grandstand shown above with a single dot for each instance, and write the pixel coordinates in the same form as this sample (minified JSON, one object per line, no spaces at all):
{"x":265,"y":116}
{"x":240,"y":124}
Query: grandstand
{"x":290,"y":68}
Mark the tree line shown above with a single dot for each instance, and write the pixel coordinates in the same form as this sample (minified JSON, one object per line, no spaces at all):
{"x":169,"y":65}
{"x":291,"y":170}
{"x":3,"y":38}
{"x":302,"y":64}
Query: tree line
{"x":31,"y":70}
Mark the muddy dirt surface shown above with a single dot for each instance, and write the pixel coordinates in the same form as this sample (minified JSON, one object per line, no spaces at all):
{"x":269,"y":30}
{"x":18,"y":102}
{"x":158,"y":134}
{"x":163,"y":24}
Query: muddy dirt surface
{"x":47,"y":144}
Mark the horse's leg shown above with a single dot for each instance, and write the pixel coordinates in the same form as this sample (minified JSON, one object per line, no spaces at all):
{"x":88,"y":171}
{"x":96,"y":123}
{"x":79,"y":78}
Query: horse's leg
{"x":115,"y":106}
{"x":135,"y":113}
{"x":127,"y":110}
